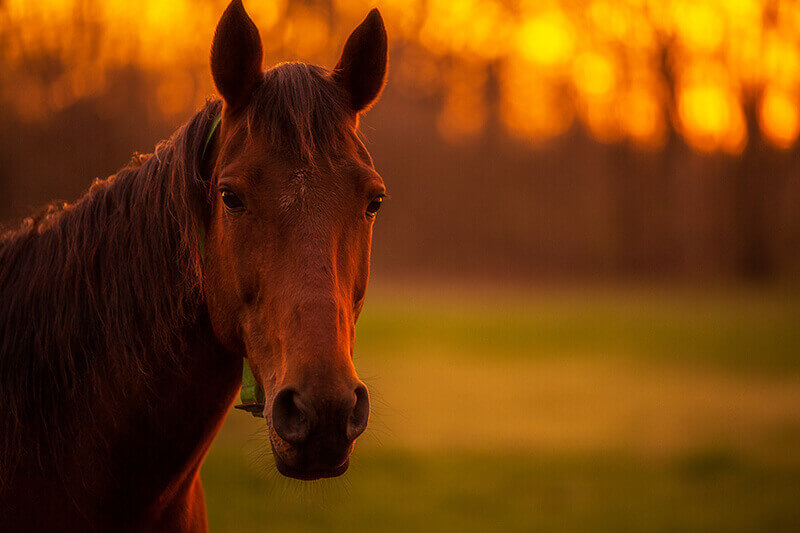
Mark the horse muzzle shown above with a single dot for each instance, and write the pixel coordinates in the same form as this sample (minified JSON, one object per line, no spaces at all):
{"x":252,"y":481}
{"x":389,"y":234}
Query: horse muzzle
{"x":312,"y":436}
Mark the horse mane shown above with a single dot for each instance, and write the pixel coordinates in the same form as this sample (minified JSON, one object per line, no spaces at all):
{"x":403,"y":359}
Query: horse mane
{"x":89,"y":289}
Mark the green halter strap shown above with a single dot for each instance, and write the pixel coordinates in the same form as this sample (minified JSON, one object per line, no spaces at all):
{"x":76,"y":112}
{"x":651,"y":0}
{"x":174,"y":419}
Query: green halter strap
{"x":252,"y":394}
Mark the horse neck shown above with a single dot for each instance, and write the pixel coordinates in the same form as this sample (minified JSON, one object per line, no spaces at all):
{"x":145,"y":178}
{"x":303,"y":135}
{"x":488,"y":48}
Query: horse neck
{"x":103,"y":277}
{"x":102,"y":316}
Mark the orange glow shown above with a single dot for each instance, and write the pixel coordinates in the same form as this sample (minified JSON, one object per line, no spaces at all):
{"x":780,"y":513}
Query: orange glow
{"x":306,"y":33}
{"x":546,"y":38}
{"x":170,"y":91}
{"x":779,"y":117}
{"x":532,"y":109}
{"x":598,"y":60}
{"x":594,"y":74}
{"x":781,"y":60}
{"x":698,"y":25}
{"x":464,"y":112}
{"x":711,"y":118}
{"x":468,"y":27}
{"x":610,"y":19}
{"x":641,"y":117}
{"x":266,"y":13}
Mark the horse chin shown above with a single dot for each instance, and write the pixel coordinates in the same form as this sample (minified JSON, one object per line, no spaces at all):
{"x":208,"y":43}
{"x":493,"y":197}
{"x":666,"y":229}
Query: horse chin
{"x":291,"y":463}
{"x":309,"y":475}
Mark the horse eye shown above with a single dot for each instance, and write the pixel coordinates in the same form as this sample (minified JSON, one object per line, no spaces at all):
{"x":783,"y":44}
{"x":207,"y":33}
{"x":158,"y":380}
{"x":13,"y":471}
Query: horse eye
{"x":231,"y":201}
{"x":374,"y":205}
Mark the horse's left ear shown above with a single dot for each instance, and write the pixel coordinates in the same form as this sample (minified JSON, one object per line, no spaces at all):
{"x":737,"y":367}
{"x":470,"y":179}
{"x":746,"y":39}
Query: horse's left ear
{"x":361,"y":71}
{"x":236,"y":56}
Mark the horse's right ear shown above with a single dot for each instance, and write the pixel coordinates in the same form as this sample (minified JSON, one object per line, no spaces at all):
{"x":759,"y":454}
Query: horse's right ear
{"x":236,"y":56}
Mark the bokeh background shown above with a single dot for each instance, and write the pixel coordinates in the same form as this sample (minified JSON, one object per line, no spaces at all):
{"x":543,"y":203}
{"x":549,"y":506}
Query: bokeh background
{"x":584,"y":312}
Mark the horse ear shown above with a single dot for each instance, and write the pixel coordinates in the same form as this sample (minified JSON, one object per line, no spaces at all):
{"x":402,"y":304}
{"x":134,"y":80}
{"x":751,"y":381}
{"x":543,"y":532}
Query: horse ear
{"x":361,"y":70}
{"x":236,"y":56}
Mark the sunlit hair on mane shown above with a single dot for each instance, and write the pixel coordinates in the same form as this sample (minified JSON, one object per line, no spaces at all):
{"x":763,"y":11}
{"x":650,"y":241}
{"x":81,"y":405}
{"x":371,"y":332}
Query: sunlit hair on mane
{"x":114,"y":274}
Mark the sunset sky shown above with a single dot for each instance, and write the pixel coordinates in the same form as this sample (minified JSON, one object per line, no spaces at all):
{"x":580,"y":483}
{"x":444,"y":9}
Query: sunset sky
{"x":624,"y":69}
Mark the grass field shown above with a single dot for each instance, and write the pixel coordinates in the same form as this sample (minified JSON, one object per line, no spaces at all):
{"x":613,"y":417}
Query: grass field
{"x":576,"y":410}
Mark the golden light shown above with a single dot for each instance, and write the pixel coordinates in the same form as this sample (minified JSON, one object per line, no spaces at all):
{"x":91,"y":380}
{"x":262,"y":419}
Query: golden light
{"x":698,"y":25}
{"x":546,"y":39}
{"x":160,"y":22}
{"x":741,"y":11}
{"x":641,"y":118}
{"x":600,"y":60}
{"x":475,"y":28}
{"x":781,"y":59}
{"x":57,"y":9}
{"x":611,"y":19}
{"x":779,"y":117}
{"x":532,"y":109}
{"x":266,"y":13}
{"x":711,"y":117}
{"x":418,"y":73}
{"x":601,"y":119}
{"x":172,"y":90}
{"x":306,"y":33}
{"x":464,"y":112}
{"x":594,"y":74}
{"x":745,"y":57}
{"x":403,"y":16}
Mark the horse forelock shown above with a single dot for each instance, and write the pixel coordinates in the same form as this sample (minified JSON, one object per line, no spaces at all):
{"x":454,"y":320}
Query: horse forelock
{"x":301,"y":111}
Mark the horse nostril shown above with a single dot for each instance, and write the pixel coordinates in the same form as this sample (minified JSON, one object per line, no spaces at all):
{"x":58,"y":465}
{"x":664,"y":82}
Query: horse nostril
{"x":357,"y":422}
{"x":289,"y":419}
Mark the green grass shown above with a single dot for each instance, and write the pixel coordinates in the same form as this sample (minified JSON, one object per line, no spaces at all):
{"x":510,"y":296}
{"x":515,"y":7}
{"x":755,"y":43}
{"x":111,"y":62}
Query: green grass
{"x":401,"y":492}
{"x":748,"y":330}
{"x":573,"y":411}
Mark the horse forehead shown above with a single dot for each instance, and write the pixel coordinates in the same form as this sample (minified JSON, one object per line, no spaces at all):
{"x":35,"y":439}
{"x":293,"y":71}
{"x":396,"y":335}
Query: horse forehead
{"x":312,"y":191}
{"x":296,"y":190}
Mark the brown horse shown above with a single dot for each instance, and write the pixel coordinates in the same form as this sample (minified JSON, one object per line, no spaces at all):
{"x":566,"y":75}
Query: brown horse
{"x":125,"y":317}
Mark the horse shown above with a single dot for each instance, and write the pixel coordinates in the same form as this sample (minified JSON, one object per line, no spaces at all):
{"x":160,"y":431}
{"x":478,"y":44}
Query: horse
{"x":242,"y":244}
